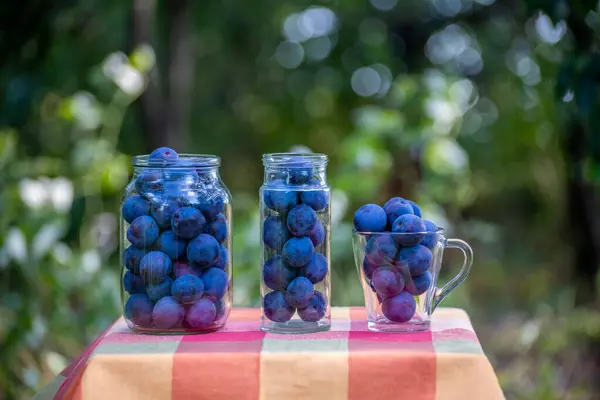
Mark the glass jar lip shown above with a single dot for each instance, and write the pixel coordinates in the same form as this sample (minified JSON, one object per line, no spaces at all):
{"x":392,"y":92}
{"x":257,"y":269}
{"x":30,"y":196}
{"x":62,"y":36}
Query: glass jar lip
{"x":294,"y":160}
{"x":184,"y":160}
{"x":439,"y":231}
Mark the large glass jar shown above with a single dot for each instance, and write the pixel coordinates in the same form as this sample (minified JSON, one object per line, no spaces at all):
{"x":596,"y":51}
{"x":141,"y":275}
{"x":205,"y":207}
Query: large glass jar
{"x":295,"y":238}
{"x":176,"y":246}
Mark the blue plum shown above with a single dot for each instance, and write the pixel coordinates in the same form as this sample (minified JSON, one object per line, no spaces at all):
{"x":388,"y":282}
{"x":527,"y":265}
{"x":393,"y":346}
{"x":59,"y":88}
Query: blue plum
{"x":201,"y":315}
{"x":276,"y":307}
{"x":301,"y":220}
{"x":275,"y":232}
{"x":431,"y":239}
{"x":187,"y":289}
{"x":143,"y":232}
{"x":133,"y":283}
{"x":387,"y":282}
{"x":369,"y":267}
{"x":149,"y":181}
{"x":218,"y":228}
{"x":168,"y":313}
{"x":163,"y":154}
{"x":277,"y":198}
{"x":396,"y":207}
{"x":181,"y":268}
{"x":221,"y":307}
{"x":299,"y":176}
{"x":206,"y":177}
{"x":215,"y":282}
{"x":211,"y":206}
{"x":316,"y":199}
{"x":133,"y":207}
{"x":222,"y":260}
{"x":419,"y":284}
{"x":297,"y":252}
{"x":131,"y":258}
{"x":299,"y":292}
{"x":370,"y":218}
{"x":417,"y":258}
{"x":182,"y":192}
{"x":162,"y":210}
{"x":411,"y":228}
{"x":187,"y":222}
{"x":155,"y":267}
{"x":203,"y":250}
{"x":276,"y":274}
{"x":316,"y":269}
{"x":317,"y":234}
{"x":171,"y":245}
{"x":138,"y":309}
{"x":159,"y":290}
{"x":180,"y":175}
{"x":316,"y":308}
{"x":399,"y":308}
{"x":416,"y":208}
{"x":381,"y":249}
{"x":276,"y":175}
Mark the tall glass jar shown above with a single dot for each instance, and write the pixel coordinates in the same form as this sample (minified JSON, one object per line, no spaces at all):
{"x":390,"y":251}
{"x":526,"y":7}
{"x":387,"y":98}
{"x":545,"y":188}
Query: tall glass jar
{"x":176,"y":246}
{"x":295,"y":238}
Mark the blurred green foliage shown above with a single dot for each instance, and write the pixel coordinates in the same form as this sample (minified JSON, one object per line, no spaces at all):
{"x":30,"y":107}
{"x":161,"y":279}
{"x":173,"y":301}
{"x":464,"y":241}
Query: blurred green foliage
{"x":484,"y":112}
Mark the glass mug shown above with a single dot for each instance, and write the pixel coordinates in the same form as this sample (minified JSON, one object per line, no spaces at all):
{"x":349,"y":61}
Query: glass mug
{"x":399,"y":272}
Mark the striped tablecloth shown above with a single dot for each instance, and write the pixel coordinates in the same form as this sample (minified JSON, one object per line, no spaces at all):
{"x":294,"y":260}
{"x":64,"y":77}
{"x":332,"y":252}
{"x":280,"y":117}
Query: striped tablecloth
{"x":241,"y":362}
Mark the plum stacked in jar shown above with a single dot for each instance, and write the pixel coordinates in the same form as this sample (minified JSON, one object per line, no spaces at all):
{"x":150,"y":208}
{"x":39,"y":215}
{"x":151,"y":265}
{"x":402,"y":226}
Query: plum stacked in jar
{"x":295,"y":236}
{"x":176,"y":244}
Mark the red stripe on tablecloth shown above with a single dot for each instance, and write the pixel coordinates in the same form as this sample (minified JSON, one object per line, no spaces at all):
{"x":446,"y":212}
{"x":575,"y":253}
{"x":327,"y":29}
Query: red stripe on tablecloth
{"x":372,"y":357}
{"x":218,"y":365}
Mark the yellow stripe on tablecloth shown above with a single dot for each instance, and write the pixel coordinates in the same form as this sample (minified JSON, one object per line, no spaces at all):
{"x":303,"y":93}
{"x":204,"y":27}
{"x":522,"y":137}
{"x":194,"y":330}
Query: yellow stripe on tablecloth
{"x":128,"y":376}
{"x":450,"y":318}
{"x":340,"y":319}
{"x":306,"y":368}
{"x":304,"y":376}
{"x":466,"y":376}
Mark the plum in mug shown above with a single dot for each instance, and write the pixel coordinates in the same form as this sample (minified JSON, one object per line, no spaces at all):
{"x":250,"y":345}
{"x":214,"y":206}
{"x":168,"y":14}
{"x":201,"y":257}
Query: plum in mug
{"x":399,"y":274}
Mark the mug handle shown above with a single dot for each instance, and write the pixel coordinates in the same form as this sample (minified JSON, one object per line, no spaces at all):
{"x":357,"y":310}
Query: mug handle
{"x":440,"y":294}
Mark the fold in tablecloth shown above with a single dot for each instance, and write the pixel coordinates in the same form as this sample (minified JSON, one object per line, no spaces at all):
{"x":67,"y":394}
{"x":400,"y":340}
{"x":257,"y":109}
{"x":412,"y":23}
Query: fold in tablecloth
{"x":241,"y":362}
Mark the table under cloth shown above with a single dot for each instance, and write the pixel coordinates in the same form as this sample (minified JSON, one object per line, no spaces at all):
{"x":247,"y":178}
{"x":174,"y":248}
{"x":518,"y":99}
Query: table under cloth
{"x":242,"y":362}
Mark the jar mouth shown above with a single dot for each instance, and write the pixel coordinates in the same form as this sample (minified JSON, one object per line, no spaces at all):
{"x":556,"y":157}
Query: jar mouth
{"x":184,"y":160}
{"x":294,"y":160}
{"x":439,"y":231}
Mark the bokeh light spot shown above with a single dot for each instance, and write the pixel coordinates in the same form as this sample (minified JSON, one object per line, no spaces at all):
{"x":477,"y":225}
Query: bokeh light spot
{"x":384,"y":5}
{"x":470,"y":62}
{"x":318,"y":48}
{"x":289,"y":54}
{"x":311,"y":23}
{"x":445,"y":157}
{"x":447,"y":8}
{"x":547,"y":31}
{"x":366,"y":81}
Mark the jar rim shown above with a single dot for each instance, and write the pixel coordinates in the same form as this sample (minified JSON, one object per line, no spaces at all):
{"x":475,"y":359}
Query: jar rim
{"x":438,"y":231}
{"x":294,"y":160}
{"x":184,"y":160}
